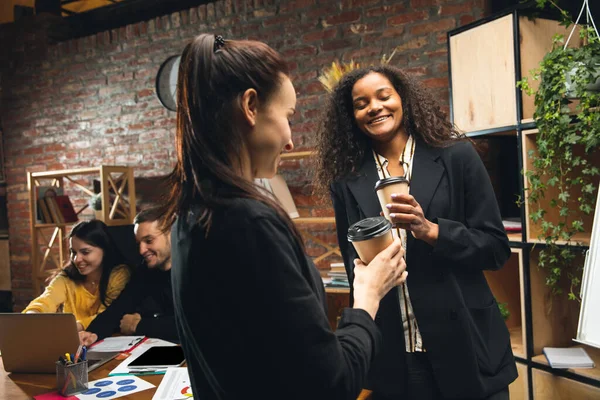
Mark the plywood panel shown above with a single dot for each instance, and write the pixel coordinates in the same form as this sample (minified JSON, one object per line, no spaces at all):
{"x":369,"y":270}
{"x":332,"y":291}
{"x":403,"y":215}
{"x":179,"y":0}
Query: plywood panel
{"x":483,"y":76}
{"x":549,"y":387}
{"x":554,"y":317}
{"x":507,"y":286}
{"x":4,"y":266}
{"x":535,"y":41}
{"x":534,"y":229}
{"x":519,"y":388}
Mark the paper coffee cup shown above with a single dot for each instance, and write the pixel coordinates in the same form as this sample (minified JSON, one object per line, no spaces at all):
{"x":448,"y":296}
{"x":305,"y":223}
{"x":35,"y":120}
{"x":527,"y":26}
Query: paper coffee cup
{"x":386,"y":187}
{"x":370,"y":236}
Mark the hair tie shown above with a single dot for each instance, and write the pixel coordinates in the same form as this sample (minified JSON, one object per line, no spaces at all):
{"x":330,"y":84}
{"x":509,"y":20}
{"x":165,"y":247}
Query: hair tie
{"x":219,"y":42}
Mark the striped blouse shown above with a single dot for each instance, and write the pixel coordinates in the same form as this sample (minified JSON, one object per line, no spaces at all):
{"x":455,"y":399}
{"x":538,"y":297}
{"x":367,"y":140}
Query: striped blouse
{"x":412,"y":335}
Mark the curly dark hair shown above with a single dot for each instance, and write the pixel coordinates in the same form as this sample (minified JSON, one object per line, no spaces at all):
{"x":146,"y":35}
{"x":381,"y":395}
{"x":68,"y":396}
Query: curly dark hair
{"x":341,"y":145}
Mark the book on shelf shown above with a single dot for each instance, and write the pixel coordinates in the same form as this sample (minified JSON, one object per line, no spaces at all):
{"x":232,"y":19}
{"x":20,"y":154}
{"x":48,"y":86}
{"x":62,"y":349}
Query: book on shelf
{"x":336,"y":276}
{"x":43,"y":211}
{"x":54,"y":211}
{"x":570,"y":357}
{"x":512,"y":225}
{"x":66,"y":208}
{"x":43,"y":192}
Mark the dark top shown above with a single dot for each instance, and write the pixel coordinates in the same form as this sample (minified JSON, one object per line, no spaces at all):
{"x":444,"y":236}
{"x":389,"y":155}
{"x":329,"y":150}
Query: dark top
{"x":149,"y":294}
{"x":466,"y":339}
{"x":250,"y":310}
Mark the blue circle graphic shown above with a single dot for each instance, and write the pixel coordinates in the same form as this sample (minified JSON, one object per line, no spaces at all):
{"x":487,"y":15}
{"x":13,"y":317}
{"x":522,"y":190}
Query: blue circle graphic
{"x":125,"y":382}
{"x":92,"y":391}
{"x":106,"y":394}
{"x":102,"y":383}
{"x":127,"y":388}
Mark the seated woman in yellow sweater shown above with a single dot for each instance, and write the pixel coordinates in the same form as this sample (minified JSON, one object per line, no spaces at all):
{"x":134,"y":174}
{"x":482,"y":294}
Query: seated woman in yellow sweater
{"x":95,"y":276}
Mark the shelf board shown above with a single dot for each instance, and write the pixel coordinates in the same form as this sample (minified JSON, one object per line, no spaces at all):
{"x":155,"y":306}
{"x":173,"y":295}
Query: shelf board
{"x":340,"y":290}
{"x":78,"y":171}
{"x":41,"y":226}
{"x":314,"y":220}
{"x":582,"y":238}
{"x":502,"y":131}
{"x":592,"y":373}
{"x":514,"y":237}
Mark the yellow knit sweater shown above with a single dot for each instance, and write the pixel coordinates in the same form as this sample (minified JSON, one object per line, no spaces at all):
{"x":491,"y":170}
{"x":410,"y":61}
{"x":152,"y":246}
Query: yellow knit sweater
{"x":76,"y":299}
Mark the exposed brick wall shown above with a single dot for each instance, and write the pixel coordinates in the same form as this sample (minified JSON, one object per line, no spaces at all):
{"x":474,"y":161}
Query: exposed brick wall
{"x":91,"y":101}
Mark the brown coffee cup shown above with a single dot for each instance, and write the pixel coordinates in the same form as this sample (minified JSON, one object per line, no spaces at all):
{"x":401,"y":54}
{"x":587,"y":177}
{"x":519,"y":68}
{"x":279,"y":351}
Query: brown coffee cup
{"x":386,"y":187}
{"x":370,"y":237}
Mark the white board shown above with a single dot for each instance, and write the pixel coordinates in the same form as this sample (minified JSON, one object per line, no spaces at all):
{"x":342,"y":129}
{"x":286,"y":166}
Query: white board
{"x":588,"y":330}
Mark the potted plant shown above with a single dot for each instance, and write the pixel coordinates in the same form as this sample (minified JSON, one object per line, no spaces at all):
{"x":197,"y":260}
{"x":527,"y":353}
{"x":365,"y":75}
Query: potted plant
{"x":95,"y":203}
{"x":568,"y":138}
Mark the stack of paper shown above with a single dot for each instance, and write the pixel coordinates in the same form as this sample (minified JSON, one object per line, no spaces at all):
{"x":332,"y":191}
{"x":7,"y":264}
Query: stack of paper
{"x":573,"y":357}
{"x":336,"y":276}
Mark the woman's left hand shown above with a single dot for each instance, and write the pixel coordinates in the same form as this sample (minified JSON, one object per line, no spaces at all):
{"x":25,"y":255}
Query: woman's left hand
{"x":406,"y":213}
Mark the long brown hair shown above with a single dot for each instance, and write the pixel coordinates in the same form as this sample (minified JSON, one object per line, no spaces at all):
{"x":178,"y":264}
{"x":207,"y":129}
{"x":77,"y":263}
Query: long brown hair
{"x":341,"y":145}
{"x":95,"y":233}
{"x":213,"y":76}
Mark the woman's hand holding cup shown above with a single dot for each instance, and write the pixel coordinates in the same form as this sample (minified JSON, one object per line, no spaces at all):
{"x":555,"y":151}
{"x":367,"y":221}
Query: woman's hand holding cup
{"x":373,"y":281}
{"x":406,"y":213}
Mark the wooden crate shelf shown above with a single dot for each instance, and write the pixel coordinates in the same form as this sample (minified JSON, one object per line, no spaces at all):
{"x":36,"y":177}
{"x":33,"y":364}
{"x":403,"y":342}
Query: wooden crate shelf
{"x":507,"y":286}
{"x":554,"y":318}
{"x":483,"y":69}
{"x":547,"y":386}
{"x":534,"y":230}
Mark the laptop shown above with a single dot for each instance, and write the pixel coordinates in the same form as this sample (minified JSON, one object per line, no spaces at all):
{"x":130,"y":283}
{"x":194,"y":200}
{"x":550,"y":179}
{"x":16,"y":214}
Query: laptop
{"x":32,"y":343}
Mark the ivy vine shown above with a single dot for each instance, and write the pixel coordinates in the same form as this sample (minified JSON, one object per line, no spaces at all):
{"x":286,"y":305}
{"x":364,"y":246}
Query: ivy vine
{"x":566,"y":144}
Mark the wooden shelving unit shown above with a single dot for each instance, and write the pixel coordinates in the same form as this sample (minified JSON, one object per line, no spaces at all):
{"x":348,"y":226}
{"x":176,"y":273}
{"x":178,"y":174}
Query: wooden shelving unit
{"x":48,"y":245}
{"x":487,"y":58}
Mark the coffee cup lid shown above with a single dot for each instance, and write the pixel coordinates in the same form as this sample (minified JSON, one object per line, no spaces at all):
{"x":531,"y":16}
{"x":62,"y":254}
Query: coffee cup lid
{"x":368,"y":228}
{"x":389,"y":181}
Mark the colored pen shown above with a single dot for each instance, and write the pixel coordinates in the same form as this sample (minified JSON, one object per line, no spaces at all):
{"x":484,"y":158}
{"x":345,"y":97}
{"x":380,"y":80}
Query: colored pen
{"x":84,"y":353}
{"x":78,"y":353}
{"x":68,"y":357}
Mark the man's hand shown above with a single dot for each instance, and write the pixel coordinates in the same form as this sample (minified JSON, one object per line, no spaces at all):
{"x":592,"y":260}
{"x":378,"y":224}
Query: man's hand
{"x":129,"y":323}
{"x":87,"y":338}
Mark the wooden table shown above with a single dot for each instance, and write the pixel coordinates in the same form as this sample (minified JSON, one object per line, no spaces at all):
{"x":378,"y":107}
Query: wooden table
{"x":25,"y":386}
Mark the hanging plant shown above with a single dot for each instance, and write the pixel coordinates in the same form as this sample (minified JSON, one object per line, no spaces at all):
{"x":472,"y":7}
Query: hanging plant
{"x":566,"y":144}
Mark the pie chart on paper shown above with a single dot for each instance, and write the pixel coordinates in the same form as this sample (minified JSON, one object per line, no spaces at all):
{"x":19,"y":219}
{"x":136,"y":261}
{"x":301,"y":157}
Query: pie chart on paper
{"x":187,"y":391}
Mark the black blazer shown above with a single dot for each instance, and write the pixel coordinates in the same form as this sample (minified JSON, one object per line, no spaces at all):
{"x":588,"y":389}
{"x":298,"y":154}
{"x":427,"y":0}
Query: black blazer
{"x":463,"y":332}
{"x":249,"y":308}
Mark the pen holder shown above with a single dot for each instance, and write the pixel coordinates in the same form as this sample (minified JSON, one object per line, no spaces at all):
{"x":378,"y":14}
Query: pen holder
{"x":71,"y":378}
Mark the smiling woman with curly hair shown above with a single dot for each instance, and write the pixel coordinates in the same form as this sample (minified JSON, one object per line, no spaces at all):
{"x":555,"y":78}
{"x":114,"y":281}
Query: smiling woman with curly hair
{"x":345,"y":145}
{"x":444,"y":336}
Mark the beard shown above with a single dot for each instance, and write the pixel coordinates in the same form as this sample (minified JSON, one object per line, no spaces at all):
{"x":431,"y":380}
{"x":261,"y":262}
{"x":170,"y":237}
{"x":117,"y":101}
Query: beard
{"x":162,"y":264}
